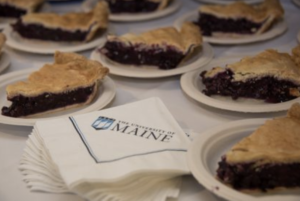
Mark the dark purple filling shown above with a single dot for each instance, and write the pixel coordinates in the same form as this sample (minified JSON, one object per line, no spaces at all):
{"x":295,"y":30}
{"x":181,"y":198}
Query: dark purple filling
{"x":11,"y":11}
{"x":133,"y":6}
{"x":36,"y":31}
{"x":24,"y":106}
{"x":264,"y":177}
{"x":266,"y":88}
{"x":210,"y":24}
{"x":155,"y":55}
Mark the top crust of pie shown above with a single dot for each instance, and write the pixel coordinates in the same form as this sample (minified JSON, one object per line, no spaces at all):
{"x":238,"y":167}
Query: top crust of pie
{"x":96,"y":18}
{"x":68,"y":72}
{"x":269,"y":9}
{"x":2,"y":40}
{"x":187,"y":38}
{"x":28,"y":5}
{"x":277,"y":141}
{"x":267,"y":63}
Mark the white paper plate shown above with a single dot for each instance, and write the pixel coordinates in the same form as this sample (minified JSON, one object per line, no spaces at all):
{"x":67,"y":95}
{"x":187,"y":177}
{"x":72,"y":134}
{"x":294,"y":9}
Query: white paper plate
{"x":229,"y":1}
{"x":206,"y":150}
{"x":197,"y":61}
{"x":4,"y":61}
{"x":276,"y":30}
{"x":191,"y":84}
{"x":297,"y":2}
{"x":43,"y":47}
{"x":105,"y":95}
{"x":174,"y":6}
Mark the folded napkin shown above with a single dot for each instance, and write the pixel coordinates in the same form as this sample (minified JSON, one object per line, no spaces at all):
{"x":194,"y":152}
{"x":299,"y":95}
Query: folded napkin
{"x":131,"y":152}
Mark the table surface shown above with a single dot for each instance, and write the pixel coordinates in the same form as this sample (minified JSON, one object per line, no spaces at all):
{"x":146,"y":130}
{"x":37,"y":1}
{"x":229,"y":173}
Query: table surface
{"x":189,"y":113}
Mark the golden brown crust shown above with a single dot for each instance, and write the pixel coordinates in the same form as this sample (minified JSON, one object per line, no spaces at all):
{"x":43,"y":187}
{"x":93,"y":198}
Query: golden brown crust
{"x":94,"y":20}
{"x":68,"y":72}
{"x":267,"y":12}
{"x":267,"y":63}
{"x":296,"y":55}
{"x":277,"y":141}
{"x":28,"y":5}
{"x":2,"y":41}
{"x":188,"y":37}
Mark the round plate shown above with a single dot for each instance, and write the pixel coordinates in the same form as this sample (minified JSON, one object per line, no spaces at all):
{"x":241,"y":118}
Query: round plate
{"x":174,"y":6}
{"x":206,"y":151}
{"x":229,"y":1}
{"x":195,"y":62}
{"x":297,"y":2}
{"x":192,"y":85}
{"x":45,"y":47}
{"x":4,"y":61}
{"x":276,"y":30}
{"x":105,"y":95}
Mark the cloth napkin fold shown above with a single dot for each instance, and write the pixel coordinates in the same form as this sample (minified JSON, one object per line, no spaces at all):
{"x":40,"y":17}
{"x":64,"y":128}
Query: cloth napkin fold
{"x":132,"y":152}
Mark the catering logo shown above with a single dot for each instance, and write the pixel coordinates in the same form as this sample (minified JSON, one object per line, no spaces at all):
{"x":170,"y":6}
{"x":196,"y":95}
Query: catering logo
{"x":103,"y":123}
{"x":133,"y":129}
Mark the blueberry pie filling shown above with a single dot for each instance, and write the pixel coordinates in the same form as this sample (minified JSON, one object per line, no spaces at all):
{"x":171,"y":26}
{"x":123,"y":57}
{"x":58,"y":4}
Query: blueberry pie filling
{"x":163,"y":57}
{"x":40,"y":32}
{"x":267,"y":159}
{"x":71,"y":81}
{"x":164,"y":48}
{"x":270,"y":76}
{"x":239,"y":18}
{"x":18,"y":8}
{"x":264,"y":177}
{"x":24,"y":105}
{"x":265,"y":88}
{"x":69,"y":27}
{"x":210,"y":24}
{"x":135,"y":6}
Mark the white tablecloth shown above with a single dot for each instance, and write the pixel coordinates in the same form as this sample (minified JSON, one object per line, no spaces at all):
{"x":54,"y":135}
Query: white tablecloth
{"x":189,"y":113}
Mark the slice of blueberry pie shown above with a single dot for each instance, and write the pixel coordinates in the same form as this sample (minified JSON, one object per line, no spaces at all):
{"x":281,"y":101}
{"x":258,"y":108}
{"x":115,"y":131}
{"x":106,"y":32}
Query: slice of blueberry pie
{"x":17,"y":8}
{"x":238,"y":18}
{"x":71,"y":81}
{"x":270,"y":76}
{"x":163,"y":47}
{"x":69,"y":27}
{"x":136,"y":6}
{"x":269,"y":158}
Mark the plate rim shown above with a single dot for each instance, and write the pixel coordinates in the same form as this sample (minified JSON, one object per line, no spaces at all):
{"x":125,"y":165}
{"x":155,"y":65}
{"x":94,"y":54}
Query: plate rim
{"x":11,"y":42}
{"x":188,"y":79}
{"x":278,"y":29}
{"x":139,"y":17}
{"x":109,"y":92}
{"x":6,"y":61}
{"x":200,"y":171}
{"x":207,"y":50}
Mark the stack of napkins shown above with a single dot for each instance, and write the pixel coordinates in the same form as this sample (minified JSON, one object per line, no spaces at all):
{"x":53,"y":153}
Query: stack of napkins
{"x":131,"y":152}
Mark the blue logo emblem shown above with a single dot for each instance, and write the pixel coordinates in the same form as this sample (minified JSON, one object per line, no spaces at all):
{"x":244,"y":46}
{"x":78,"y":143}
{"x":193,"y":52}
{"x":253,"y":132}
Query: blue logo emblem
{"x":103,"y":123}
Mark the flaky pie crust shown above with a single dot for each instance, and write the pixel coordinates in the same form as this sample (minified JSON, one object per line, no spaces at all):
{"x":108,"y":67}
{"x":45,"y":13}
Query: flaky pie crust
{"x":90,"y":21}
{"x":68,"y":72}
{"x":267,"y":63}
{"x":2,"y":41}
{"x":276,"y":141}
{"x":188,"y":38}
{"x":28,"y":5}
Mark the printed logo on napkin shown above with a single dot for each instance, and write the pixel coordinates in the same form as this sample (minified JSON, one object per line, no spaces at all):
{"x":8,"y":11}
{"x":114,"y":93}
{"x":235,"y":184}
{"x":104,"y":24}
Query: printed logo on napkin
{"x":140,"y":128}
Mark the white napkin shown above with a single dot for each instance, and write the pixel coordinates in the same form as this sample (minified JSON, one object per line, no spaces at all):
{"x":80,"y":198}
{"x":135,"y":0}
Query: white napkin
{"x":131,"y":152}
